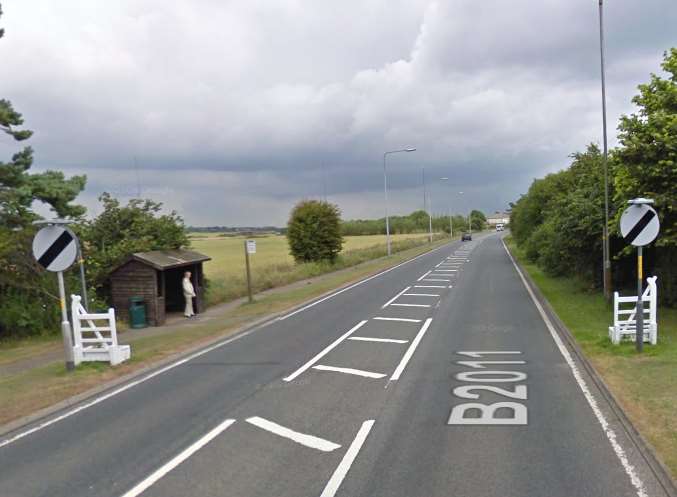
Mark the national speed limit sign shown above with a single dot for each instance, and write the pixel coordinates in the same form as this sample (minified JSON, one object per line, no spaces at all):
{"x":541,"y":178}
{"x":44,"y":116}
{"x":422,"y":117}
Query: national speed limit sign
{"x":639,"y":225}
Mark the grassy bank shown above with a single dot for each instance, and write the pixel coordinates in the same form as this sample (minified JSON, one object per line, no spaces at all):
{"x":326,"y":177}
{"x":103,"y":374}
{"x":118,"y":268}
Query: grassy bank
{"x":272,"y":266}
{"x":644,"y":384}
{"x":26,"y":392}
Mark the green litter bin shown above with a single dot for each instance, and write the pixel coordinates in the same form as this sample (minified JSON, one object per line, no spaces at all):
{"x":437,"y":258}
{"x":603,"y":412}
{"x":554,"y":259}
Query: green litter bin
{"x":137,"y":312}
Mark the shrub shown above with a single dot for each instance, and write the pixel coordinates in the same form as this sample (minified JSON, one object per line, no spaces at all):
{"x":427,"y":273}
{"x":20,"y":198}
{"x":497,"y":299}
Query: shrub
{"x":314,"y":231}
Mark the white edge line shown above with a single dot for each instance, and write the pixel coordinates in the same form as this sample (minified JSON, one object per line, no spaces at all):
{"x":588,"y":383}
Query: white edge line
{"x":394,"y":298}
{"x":608,"y":431}
{"x":406,"y":320}
{"x":300,"y":438}
{"x":356,"y":372}
{"x":171,"y":366}
{"x":344,"y":466}
{"x":426,"y":274}
{"x":123,"y":388}
{"x":281,"y":318}
{"x":142,"y":486}
{"x":325,"y":351}
{"x":410,"y":351}
{"x":384,"y":340}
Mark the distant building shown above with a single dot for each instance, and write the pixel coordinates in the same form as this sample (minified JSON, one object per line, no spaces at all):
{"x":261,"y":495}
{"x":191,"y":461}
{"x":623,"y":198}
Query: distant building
{"x":498,"y":218}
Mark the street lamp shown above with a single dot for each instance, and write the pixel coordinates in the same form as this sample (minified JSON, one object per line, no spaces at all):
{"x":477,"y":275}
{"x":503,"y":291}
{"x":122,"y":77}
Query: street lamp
{"x":385,"y":190}
{"x":469,"y":212}
{"x":451,"y":222}
{"x":425,"y":208}
{"x":605,"y":230}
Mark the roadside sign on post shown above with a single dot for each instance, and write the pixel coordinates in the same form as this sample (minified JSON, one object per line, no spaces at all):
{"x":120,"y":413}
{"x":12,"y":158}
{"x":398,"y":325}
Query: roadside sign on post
{"x":249,"y":248}
{"x":55,"y":248}
{"x":639,"y":227}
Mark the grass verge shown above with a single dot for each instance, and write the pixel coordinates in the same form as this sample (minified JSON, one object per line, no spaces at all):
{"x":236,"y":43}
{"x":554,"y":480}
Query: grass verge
{"x":40,"y":387}
{"x":643,"y":384}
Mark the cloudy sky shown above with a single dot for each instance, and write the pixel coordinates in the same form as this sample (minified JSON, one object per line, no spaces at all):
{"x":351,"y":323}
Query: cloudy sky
{"x":230,"y":111}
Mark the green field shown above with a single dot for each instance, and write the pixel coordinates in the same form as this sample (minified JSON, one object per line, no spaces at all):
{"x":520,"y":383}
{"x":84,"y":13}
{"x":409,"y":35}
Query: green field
{"x":227,"y":253}
{"x":272,"y":266}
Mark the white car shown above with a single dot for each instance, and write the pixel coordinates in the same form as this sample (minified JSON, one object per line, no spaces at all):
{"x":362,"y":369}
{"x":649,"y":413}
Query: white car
{"x":499,"y":227}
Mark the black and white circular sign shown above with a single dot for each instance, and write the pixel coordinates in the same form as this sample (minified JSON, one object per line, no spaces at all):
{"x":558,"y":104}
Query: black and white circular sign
{"x":55,"y":248}
{"x":639,"y":225}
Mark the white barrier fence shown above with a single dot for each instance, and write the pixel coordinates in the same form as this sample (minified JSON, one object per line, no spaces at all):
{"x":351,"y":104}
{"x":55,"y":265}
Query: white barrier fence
{"x":626,"y":327}
{"x":94,"y":342}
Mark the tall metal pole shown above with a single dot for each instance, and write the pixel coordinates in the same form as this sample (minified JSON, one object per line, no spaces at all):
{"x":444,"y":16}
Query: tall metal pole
{"x":451,"y":224}
{"x":65,"y":325}
{"x":605,"y":230}
{"x":425,"y":208}
{"x":385,"y":191}
{"x":639,"y":311}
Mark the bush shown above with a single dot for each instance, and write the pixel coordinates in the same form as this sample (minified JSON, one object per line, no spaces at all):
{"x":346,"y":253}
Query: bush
{"x":314,"y":231}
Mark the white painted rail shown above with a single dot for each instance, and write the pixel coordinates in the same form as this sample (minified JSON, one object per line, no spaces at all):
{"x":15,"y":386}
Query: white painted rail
{"x":96,"y":342}
{"x":626,"y":327}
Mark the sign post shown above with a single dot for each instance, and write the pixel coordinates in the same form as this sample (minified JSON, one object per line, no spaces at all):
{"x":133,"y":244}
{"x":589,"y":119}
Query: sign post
{"x":639,"y":227}
{"x":55,"y":248}
{"x":249,"y":248}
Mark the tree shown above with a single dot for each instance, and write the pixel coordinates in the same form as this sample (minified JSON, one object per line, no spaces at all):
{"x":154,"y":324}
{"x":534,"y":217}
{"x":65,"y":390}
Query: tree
{"x":27,"y":295}
{"x":120,"y":231}
{"x":647,"y":164}
{"x":314,"y":231}
{"x":478,"y":220}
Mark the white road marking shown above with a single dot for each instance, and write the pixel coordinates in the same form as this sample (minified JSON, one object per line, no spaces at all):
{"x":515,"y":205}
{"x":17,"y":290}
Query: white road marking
{"x":356,"y":372}
{"x":426,"y":274}
{"x":344,"y":466}
{"x":410,"y":305}
{"x":142,"y":486}
{"x":300,"y":438}
{"x":122,"y":389}
{"x":446,"y":270}
{"x":306,"y":307}
{"x":385,"y":340}
{"x":394,"y":298}
{"x":436,"y":279}
{"x":430,"y":286}
{"x":325,"y":351}
{"x":479,"y":364}
{"x":420,"y":294}
{"x":410,"y":351}
{"x":406,"y":320}
{"x":479,"y":353}
{"x":190,"y":357}
{"x":608,"y":431}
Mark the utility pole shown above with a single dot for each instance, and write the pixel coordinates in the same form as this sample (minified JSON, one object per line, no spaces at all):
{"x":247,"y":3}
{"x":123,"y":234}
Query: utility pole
{"x":605,"y":230}
{"x":425,"y":209}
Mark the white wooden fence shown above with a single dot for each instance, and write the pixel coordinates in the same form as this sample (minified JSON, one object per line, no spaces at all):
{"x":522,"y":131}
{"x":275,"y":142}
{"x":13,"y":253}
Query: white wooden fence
{"x":94,"y":342}
{"x":626,"y":327}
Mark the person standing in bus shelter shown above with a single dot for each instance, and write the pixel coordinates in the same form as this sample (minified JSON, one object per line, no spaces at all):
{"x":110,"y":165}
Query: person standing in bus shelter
{"x":188,"y":294}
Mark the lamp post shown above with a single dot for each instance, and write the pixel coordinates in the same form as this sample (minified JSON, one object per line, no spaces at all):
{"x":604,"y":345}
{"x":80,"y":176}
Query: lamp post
{"x":605,"y":230}
{"x":451,"y":222}
{"x":385,"y":190}
{"x":425,"y":208}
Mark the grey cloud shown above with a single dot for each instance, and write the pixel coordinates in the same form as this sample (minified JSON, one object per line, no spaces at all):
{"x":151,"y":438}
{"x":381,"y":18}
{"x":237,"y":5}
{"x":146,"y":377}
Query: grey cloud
{"x":241,"y":104}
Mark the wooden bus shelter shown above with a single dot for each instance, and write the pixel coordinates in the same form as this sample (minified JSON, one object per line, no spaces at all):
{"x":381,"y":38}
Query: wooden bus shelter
{"x":156,"y":276}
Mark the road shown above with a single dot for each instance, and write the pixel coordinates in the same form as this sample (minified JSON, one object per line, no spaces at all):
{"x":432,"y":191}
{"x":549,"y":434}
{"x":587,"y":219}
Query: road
{"x":371,"y":392}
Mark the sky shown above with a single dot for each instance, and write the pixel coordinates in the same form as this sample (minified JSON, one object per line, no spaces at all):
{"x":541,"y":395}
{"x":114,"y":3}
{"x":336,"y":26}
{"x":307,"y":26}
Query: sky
{"x":230,"y":111}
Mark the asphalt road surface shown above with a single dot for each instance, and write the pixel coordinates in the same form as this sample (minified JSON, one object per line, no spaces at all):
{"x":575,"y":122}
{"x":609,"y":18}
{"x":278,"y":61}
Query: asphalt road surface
{"x":439,"y":377}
